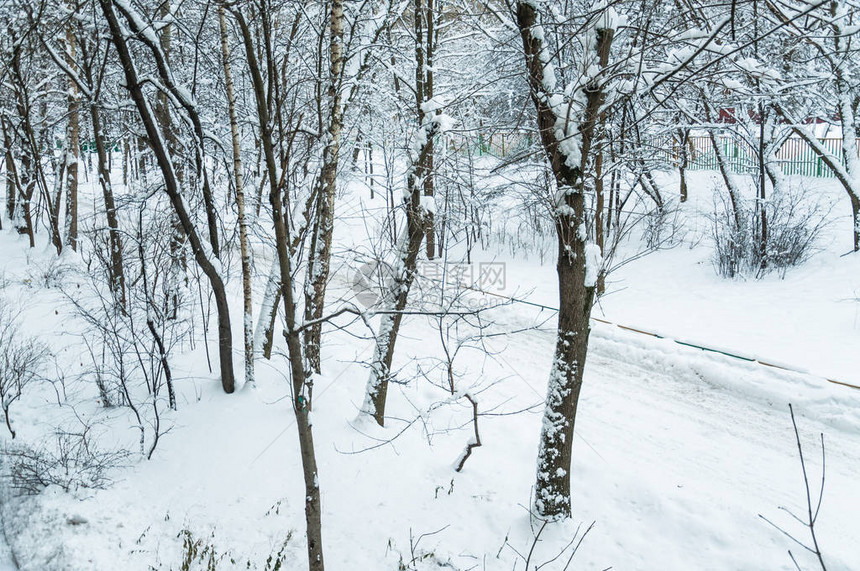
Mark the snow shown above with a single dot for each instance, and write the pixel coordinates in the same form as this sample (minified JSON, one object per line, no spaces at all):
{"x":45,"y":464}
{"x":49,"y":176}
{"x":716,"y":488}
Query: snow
{"x":676,"y":451}
{"x":428,"y":203}
{"x":443,"y":122}
{"x":593,"y":263}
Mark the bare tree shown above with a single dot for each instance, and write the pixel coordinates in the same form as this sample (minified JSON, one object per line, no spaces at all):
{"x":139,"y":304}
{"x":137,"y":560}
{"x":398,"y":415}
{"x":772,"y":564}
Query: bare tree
{"x":247,"y":321}
{"x":828,"y":29}
{"x":21,"y":359}
{"x":408,"y":244}
{"x":72,"y":142}
{"x":202,"y":254}
{"x":300,"y":370}
{"x":319,"y":253}
{"x":567,"y":134}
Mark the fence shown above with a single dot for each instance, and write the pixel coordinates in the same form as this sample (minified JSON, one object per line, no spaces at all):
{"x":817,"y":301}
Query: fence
{"x":494,"y":144}
{"x":795,"y":156}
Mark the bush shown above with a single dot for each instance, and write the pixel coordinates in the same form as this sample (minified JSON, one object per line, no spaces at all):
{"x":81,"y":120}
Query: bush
{"x":21,"y":360}
{"x":70,"y":462}
{"x":794,"y":224}
{"x":795,"y":219}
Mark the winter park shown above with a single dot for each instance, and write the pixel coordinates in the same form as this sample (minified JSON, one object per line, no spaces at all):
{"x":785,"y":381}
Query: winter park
{"x":475,"y":285}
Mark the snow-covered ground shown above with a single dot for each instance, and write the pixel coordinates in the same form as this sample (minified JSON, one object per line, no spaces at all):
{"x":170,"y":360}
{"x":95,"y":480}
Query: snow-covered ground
{"x":677,"y":455}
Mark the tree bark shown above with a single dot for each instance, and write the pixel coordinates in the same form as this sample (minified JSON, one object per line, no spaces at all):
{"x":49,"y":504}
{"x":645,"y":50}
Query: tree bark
{"x":683,"y":140}
{"x":429,"y":179}
{"x":599,"y":209}
{"x":11,"y":172}
{"x":72,"y":145}
{"x":725,"y":170}
{"x":264,"y":333}
{"x":27,"y":177}
{"x":765,"y":140}
{"x":94,"y":79}
{"x":409,"y":245}
{"x":117,"y":273}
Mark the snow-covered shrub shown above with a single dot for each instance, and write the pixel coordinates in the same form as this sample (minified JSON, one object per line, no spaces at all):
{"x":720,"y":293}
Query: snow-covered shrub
{"x":21,"y":360}
{"x":730,"y":236}
{"x":794,"y":221}
{"x":518,"y":216}
{"x":663,"y":227}
{"x":50,"y":274}
{"x":69,"y":461}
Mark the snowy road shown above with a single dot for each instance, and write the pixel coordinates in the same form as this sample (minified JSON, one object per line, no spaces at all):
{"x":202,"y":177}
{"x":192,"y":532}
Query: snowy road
{"x":700,"y":445}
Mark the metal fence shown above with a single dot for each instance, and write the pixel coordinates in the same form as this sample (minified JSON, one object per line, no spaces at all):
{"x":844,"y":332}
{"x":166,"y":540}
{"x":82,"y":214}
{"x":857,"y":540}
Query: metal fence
{"x":795,"y":156}
{"x":494,"y":144}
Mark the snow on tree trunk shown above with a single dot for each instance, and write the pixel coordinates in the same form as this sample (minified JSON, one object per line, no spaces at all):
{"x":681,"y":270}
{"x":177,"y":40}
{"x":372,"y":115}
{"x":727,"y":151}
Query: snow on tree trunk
{"x":389,"y":327}
{"x":568,"y":130}
{"x":852,"y":161}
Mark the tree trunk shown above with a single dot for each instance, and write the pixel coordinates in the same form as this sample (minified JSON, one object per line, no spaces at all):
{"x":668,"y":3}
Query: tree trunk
{"x":117,"y":273}
{"x":72,"y":146}
{"x":576,"y":285}
{"x":599,"y":208}
{"x":319,"y":255}
{"x":683,"y":139}
{"x":855,"y":210}
{"x":301,"y":377}
{"x":178,"y":263}
{"x":31,"y":160}
{"x":765,"y":140}
{"x":409,"y":245}
{"x":248,"y":321}
{"x":28,"y":181}
{"x":264,"y":334}
{"x":171,"y":188}
{"x":852,"y":160}
{"x":726,"y":172}
{"x":11,"y":172}
{"x":418,"y":224}
{"x":427,"y":70}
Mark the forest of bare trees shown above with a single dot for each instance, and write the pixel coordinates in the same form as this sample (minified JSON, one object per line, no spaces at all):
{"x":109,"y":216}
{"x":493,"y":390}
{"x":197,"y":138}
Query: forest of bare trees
{"x":216,"y":139}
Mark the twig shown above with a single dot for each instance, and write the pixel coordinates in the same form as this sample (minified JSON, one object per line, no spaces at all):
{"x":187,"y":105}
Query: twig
{"x":535,"y":542}
{"x":477,"y":441}
{"x":812,"y":518}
